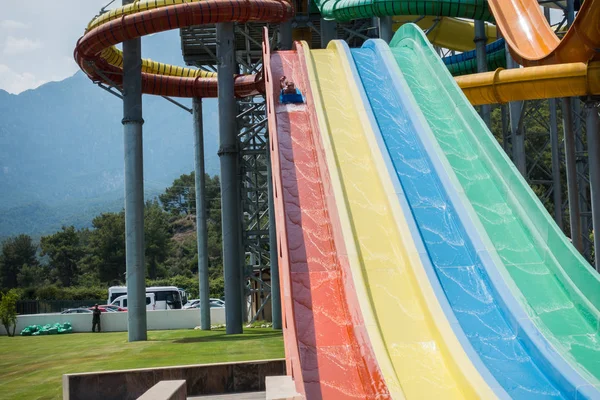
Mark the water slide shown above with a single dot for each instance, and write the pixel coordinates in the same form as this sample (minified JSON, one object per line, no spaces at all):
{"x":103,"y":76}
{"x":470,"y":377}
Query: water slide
{"x":531,"y":83}
{"x":411,"y":337}
{"x":400,"y":329}
{"x":453,"y":274}
{"x":102,"y":62}
{"x":559,"y":289}
{"x":450,"y":33}
{"x":494,"y":323}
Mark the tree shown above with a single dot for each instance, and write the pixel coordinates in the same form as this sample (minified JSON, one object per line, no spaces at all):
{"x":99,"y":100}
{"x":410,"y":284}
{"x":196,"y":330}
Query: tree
{"x":180,"y":198}
{"x":183,"y":258}
{"x":31,"y":275}
{"x":157,"y":236}
{"x":16,"y":252}
{"x":65,"y":252}
{"x":107,"y":247}
{"x":8,"y":311}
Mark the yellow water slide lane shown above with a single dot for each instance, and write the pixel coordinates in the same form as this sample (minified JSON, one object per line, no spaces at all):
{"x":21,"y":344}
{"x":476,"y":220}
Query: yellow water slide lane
{"x":450,"y":33}
{"x":427,"y":358}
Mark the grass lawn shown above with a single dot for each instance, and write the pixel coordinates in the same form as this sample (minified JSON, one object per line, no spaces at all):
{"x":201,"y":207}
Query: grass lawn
{"x":32,"y":367}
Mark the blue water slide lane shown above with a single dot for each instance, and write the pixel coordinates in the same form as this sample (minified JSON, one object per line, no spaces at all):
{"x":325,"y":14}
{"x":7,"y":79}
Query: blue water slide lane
{"x":489,"y":322}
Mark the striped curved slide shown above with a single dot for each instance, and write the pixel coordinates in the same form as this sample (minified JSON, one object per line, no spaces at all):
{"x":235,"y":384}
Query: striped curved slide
{"x":394,"y":284}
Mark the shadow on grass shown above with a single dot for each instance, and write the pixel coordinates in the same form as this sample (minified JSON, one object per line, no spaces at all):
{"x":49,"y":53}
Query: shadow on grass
{"x":222,"y":337}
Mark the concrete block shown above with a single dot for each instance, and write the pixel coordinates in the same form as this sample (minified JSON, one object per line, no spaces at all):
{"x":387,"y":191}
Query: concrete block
{"x":281,"y":388}
{"x":166,"y":390}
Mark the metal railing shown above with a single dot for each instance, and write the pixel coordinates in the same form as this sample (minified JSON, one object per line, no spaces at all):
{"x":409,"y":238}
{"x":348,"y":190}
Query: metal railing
{"x":52,"y":306}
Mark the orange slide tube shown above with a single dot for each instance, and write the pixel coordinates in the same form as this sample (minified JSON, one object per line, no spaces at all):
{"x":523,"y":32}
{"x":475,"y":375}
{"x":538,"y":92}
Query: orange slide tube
{"x":533,"y":42}
{"x":545,"y":82}
{"x":90,"y":47}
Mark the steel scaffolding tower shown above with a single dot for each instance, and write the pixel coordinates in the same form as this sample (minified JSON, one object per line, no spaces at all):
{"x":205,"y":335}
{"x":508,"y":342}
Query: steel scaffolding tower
{"x":199,"y":47}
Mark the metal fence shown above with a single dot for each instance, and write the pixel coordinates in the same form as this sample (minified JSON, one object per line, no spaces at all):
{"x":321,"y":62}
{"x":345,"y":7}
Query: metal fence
{"x":52,"y":306}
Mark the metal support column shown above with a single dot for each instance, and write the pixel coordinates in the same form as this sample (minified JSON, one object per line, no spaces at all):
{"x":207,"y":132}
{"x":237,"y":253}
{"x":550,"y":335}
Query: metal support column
{"x":328,"y":32}
{"x":515,"y":109}
{"x":573,"y":192}
{"x":582,"y":168}
{"x":570,"y":11}
{"x":273,"y":253}
{"x":230,"y":198}
{"x":594,"y":163}
{"x":386,"y":31}
{"x":285,"y":35}
{"x":581,"y":194}
{"x":555,"y":149}
{"x":480,"y":41}
{"x":134,"y":189}
{"x":201,"y":230}
{"x":505,"y":128}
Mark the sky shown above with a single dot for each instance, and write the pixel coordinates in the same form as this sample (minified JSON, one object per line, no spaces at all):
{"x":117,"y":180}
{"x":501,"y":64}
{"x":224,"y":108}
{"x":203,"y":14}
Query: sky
{"x":37,"y":38}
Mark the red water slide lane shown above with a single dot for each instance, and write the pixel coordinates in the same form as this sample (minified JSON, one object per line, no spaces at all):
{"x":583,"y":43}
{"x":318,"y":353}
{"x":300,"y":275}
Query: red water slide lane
{"x":533,"y":42}
{"x":162,"y":19}
{"x":327,"y":349}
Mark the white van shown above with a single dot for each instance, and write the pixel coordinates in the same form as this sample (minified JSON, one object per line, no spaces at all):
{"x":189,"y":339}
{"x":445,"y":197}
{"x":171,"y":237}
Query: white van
{"x":121,"y":301}
{"x":166,"y":297}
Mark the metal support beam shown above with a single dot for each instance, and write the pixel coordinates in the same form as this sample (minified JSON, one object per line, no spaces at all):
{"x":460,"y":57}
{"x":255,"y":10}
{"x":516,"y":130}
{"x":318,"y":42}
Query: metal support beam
{"x":328,"y":32}
{"x":505,"y":128}
{"x":555,"y":149}
{"x":134,"y":189}
{"x":201,"y":230}
{"x":573,"y":192}
{"x":594,"y":162}
{"x":386,"y":31}
{"x":581,"y":166}
{"x":285,"y":35}
{"x":230,"y":198}
{"x":570,"y":12}
{"x":273,"y":257}
{"x":480,"y":41}
{"x":515,"y":109}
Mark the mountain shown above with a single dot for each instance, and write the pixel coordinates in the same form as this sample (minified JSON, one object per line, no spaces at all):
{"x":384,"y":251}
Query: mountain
{"x":61,"y":148}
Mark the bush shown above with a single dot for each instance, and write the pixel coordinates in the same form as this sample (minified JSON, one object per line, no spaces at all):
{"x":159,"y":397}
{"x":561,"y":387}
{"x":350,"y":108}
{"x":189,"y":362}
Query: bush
{"x":8,"y":311}
{"x":53,"y":292}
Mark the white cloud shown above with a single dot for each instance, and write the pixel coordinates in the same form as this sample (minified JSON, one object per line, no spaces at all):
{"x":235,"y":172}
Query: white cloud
{"x":15,"y":83}
{"x":15,"y":45}
{"x":12,"y":24}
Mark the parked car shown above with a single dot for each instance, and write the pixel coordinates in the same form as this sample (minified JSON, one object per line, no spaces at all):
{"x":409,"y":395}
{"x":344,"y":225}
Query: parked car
{"x":214,"y":303}
{"x":114,"y":308}
{"x":191,"y":303}
{"x":218,"y":301}
{"x":77,"y":311}
{"x":107,"y":308}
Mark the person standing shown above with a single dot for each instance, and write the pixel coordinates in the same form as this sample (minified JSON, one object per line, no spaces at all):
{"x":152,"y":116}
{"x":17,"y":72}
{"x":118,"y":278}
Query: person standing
{"x":96,"y":318}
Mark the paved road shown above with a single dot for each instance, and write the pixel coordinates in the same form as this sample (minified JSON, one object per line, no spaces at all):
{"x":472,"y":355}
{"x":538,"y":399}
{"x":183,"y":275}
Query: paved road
{"x":234,"y":396}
